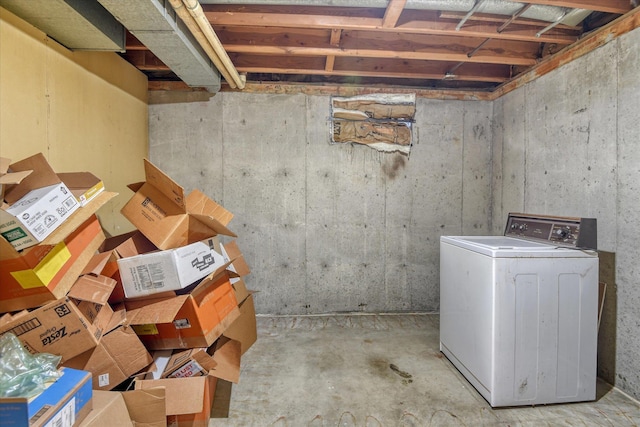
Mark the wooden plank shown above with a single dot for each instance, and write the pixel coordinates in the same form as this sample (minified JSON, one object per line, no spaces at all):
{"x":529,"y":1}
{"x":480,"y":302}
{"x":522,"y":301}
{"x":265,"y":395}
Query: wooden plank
{"x":391,"y":15}
{"x":387,"y":68}
{"x":433,"y":55}
{"x":610,"y":6}
{"x":328,"y":66}
{"x":353,"y":90}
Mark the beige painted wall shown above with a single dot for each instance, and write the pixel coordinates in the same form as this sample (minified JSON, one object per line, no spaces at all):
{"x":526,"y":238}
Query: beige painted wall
{"x":83,"y":110}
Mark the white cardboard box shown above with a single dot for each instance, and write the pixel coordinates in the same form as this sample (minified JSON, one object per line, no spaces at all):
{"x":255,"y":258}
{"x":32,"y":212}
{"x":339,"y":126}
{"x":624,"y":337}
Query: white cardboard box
{"x":33,"y":217}
{"x":168,"y":270}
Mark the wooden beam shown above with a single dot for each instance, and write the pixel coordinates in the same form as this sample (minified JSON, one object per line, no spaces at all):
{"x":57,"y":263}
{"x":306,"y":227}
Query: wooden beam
{"x":333,"y":41}
{"x":391,"y":15}
{"x":353,"y":90}
{"x":417,"y":22}
{"x":610,"y":6}
{"x":434,"y":55}
{"x":592,"y":41}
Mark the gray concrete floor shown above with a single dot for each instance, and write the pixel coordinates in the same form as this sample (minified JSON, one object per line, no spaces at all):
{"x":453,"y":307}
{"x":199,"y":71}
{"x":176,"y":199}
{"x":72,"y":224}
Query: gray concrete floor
{"x":380,"y":370}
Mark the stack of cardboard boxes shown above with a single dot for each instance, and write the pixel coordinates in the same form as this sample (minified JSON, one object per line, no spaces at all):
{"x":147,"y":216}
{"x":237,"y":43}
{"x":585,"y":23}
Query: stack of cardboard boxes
{"x":158,"y":314}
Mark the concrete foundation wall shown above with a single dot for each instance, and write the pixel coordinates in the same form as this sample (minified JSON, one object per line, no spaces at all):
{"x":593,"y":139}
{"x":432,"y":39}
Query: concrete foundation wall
{"x":331,"y":228}
{"x":567,"y":144}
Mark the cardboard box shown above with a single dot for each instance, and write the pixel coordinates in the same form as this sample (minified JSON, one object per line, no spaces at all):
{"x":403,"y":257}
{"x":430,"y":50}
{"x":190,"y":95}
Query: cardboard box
{"x":147,"y":407}
{"x":106,"y":261}
{"x":63,"y":403}
{"x":45,"y":272}
{"x":9,"y":178}
{"x":244,"y":328}
{"x":119,"y":355}
{"x":193,"y":411}
{"x":160,"y":210}
{"x":31,"y":219}
{"x":109,"y":410}
{"x":222,"y":360}
{"x":192,"y":320}
{"x":37,"y":205}
{"x":66,"y":327}
{"x":169,"y":270}
{"x":84,"y":186}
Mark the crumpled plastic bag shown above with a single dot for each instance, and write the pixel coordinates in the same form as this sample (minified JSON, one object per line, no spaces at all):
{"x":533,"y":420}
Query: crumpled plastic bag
{"x":23,"y":374}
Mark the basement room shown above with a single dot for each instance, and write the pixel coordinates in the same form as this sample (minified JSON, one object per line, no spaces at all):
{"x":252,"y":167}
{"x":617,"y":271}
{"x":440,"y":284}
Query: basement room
{"x":319,"y":213}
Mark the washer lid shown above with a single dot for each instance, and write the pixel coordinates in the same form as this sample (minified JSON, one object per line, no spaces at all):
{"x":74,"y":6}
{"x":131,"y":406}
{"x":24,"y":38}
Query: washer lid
{"x":510,"y":247}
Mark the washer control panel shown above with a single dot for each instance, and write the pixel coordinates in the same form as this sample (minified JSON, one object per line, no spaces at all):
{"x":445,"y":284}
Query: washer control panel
{"x":560,"y":231}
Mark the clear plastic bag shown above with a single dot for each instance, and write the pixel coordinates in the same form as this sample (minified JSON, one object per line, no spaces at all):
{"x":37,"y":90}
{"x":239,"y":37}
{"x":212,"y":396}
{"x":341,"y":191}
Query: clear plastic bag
{"x":23,"y":374}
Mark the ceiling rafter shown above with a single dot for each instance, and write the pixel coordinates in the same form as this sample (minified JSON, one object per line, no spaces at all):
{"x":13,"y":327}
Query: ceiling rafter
{"x":417,"y":22}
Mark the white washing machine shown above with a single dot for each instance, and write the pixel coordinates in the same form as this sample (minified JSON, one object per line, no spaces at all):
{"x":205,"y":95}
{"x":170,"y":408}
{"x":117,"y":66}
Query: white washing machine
{"x":518,"y":313}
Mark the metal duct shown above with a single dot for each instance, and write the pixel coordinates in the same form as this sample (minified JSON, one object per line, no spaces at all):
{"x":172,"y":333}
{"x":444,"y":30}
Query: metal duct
{"x":497,"y":7}
{"x":75,"y":24}
{"x":164,"y":34}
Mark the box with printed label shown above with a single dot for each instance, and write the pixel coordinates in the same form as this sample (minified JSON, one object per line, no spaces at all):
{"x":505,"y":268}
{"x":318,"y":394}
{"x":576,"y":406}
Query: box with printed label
{"x":63,"y":403}
{"x":168,"y":270}
{"x":84,"y":186}
{"x":66,"y":327}
{"x":162,"y":212}
{"x":192,"y":320}
{"x":31,"y":219}
{"x":105,"y":262}
{"x":36,"y":205}
{"x":47,"y":271}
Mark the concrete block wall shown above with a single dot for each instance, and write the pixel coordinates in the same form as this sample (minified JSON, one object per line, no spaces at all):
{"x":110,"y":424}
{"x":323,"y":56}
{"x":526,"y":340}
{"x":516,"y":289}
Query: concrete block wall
{"x":332,"y":228}
{"x":567,"y":144}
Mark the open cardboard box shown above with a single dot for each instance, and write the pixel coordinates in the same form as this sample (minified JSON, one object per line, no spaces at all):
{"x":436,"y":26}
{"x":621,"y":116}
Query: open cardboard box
{"x":9,"y":178}
{"x":84,"y":186}
{"x":106,"y":261}
{"x":187,"y":401}
{"x":169,"y":270}
{"x":63,"y":403}
{"x":45,"y":272}
{"x":160,"y":210}
{"x":221,"y":359}
{"x":194,"y":319}
{"x":36,"y":206}
{"x":109,"y":410}
{"x":119,"y":355}
{"x":69,"y":326}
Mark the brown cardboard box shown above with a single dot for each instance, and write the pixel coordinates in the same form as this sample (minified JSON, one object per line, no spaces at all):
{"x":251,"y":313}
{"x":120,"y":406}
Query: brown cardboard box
{"x":192,"y":320}
{"x":66,"y":327}
{"x":244,"y":328}
{"x":119,"y":355}
{"x":9,"y":178}
{"x":193,"y":411}
{"x":109,"y":410}
{"x":42,"y":273}
{"x":147,"y":407}
{"x":106,"y":261}
{"x":222,"y":360}
{"x":160,"y":210}
{"x":84,"y":186}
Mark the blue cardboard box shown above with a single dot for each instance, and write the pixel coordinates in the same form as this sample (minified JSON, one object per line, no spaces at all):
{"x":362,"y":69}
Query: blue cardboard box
{"x":63,"y":403}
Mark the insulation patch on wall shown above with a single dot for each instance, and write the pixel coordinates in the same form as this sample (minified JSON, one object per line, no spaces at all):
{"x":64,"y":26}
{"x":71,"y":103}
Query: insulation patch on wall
{"x":380,"y":121}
